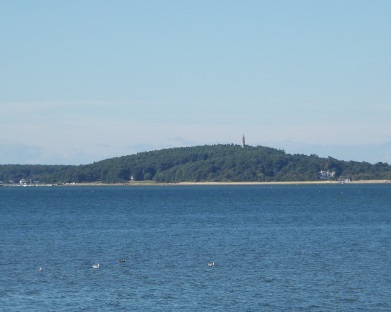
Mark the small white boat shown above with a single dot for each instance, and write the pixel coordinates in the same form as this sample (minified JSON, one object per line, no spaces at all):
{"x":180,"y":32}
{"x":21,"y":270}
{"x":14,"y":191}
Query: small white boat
{"x":96,"y":266}
{"x":210,"y":264}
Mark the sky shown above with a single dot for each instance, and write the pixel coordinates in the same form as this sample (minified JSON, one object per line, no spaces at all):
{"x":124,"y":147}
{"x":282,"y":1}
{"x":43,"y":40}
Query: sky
{"x":83,"y":81}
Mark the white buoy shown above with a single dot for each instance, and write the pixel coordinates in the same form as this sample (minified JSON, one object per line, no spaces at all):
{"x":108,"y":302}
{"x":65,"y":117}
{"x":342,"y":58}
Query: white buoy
{"x":40,"y":270}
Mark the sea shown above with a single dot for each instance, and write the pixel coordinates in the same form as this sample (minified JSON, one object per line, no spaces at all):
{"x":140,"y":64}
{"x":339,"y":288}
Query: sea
{"x":196,"y":248}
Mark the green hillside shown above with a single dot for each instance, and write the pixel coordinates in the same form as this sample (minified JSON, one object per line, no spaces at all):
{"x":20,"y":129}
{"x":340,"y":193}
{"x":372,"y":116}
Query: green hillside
{"x":216,"y":163}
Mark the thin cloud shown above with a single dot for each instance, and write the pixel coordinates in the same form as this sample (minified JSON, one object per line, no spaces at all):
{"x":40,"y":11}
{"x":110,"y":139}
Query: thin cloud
{"x":181,"y":141}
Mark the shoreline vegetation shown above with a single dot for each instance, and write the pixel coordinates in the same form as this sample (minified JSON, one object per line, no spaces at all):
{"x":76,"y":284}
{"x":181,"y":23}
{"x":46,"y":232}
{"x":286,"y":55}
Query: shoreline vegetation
{"x":202,"y":165}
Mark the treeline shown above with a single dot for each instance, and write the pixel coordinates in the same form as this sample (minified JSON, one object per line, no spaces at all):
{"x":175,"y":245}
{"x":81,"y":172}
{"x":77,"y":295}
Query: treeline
{"x":216,"y":163}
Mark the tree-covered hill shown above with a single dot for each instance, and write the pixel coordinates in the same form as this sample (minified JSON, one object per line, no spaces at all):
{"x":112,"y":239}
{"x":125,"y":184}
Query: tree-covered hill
{"x":216,"y":163}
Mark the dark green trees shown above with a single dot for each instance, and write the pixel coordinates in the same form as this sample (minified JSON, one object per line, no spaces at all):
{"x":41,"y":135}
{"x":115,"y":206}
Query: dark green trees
{"x":216,"y":163}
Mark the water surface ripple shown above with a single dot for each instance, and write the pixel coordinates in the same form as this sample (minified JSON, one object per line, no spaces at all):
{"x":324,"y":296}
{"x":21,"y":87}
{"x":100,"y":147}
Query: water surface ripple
{"x":274,"y":248}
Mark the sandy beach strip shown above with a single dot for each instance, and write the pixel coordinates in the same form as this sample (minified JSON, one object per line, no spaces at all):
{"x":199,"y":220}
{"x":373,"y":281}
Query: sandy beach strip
{"x":284,"y":182}
{"x":153,"y":183}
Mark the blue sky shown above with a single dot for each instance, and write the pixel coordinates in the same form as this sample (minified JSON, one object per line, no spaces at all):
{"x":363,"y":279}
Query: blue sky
{"x":82,"y":81}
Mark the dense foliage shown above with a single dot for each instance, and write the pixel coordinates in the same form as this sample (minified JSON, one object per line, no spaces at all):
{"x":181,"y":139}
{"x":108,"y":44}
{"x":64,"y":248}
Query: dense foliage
{"x":219,"y":163}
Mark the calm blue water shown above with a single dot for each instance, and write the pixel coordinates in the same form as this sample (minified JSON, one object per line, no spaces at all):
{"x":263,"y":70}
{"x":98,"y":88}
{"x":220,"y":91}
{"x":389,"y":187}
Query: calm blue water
{"x":279,"y":248}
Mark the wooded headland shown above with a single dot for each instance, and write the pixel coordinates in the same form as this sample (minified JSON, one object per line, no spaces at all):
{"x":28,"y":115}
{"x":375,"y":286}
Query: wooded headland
{"x":209,"y":163}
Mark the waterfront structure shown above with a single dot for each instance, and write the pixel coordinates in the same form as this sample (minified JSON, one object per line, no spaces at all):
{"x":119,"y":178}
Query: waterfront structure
{"x":324,"y":175}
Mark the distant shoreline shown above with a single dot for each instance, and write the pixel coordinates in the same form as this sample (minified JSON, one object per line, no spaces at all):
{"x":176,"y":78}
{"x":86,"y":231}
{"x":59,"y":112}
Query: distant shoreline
{"x":152,"y":183}
{"x":286,"y":182}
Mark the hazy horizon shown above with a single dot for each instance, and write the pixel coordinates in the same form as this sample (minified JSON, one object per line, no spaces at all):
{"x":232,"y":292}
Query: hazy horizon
{"x":293,"y":148}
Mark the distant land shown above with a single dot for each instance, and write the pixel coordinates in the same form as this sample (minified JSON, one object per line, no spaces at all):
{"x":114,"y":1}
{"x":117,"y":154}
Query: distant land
{"x":209,"y":163}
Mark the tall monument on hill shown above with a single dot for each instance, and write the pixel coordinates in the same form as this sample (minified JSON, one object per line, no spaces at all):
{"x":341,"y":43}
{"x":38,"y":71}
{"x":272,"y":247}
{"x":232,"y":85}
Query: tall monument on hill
{"x":243,"y":142}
